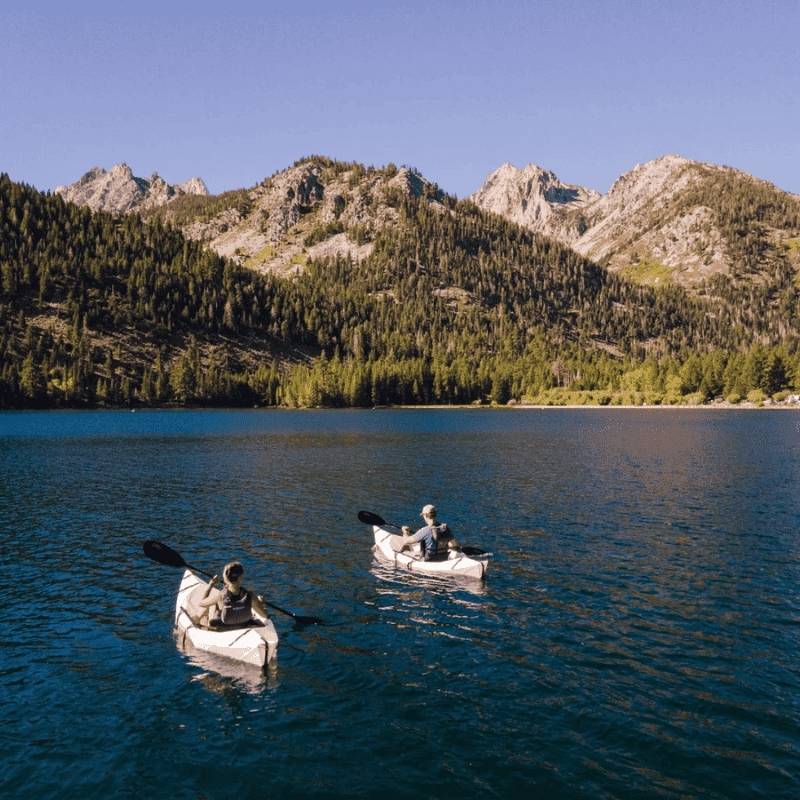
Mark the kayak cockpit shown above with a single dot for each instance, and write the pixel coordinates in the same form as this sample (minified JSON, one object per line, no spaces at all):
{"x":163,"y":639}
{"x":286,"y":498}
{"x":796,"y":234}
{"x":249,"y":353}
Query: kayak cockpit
{"x":254,"y":643}
{"x":388,"y":547}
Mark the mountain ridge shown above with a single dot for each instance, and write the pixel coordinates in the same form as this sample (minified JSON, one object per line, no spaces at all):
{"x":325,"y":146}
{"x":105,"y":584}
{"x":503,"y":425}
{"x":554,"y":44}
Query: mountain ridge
{"x":449,"y":304}
{"x":533,"y":197}
{"x":118,"y":190}
{"x":661,"y":223}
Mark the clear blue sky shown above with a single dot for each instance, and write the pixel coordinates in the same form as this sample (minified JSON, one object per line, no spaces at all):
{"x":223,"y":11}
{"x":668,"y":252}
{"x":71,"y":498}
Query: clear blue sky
{"x":233,"y":92}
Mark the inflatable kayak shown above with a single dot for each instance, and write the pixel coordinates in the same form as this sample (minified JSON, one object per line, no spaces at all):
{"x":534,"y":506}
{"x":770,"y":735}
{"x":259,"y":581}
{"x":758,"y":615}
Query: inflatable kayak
{"x":255,"y":644}
{"x":387,"y":547}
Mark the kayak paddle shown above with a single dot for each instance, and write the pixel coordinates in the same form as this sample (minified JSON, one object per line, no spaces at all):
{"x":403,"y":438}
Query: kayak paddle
{"x":163,"y":554}
{"x":368,"y":518}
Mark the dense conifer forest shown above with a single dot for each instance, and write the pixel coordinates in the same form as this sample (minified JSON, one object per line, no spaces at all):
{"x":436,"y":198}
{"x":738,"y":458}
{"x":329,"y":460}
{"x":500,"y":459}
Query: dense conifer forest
{"x":453,"y":305}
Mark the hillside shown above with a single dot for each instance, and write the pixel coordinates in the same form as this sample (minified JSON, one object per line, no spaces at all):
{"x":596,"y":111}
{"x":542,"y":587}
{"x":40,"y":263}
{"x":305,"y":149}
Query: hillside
{"x":346,"y":285}
{"x":316,"y":209}
{"x":673,"y":221}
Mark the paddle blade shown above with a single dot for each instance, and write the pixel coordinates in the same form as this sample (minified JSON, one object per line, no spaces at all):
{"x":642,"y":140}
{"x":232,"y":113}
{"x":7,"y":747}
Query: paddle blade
{"x":473,"y":551}
{"x":307,"y":620}
{"x":368,"y":518}
{"x":299,"y":620}
{"x":163,"y":554}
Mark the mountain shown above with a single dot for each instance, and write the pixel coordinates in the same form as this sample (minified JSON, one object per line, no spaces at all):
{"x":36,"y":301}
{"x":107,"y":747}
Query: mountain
{"x":535,"y":198}
{"x":353,"y":285}
{"x":119,"y":191}
{"x":315,"y":209}
{"x":669,"y":221}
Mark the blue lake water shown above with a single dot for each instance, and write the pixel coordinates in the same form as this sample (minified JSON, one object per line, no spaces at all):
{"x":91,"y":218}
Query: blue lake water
{"x":637,"y":635}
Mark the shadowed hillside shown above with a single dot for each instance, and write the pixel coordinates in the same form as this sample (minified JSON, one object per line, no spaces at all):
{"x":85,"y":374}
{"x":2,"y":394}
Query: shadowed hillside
{"x":420,"y":299}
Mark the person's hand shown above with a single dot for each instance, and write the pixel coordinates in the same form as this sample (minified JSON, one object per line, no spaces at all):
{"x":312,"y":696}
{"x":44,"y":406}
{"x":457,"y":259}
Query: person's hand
{"x":214,"y":580}
{"x":406,"y":530}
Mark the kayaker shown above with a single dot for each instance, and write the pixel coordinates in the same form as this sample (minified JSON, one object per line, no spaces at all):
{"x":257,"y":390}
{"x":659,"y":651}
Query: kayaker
{"x":234,"y":605}
{"x":436,"y":540}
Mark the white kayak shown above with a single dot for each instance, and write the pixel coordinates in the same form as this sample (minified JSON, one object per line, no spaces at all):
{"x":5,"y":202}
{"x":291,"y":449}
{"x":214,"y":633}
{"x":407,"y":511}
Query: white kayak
{"x":257,"y":644}
{"x":387,"y":548}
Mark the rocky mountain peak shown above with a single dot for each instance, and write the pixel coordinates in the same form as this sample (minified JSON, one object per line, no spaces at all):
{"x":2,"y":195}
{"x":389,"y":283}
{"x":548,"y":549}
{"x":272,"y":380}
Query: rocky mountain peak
{"x":92,"y":174}
{"x":317,"y":208}
{"x":652,"y":177}
{"x":410,"y":181}
{"x":634,"y":220}
{"x":532,"y":196}
{"x":193,"y":186}
{"x":661,"y":222}
{"x":118,"y":190}
{"x":121,"y":172}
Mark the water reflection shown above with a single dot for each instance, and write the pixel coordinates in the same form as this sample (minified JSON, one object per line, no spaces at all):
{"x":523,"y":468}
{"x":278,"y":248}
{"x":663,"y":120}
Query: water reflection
{"x":445,"y":585}
{"x":642,"y":610}
{"x":222,"y":675}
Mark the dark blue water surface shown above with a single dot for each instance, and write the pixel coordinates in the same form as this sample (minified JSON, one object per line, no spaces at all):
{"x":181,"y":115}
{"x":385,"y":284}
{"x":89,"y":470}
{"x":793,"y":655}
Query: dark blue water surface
{"x":637,"y":635}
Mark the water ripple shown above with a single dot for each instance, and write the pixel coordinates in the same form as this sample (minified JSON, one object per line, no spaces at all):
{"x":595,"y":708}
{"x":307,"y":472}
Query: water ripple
{"x":637,"y":635}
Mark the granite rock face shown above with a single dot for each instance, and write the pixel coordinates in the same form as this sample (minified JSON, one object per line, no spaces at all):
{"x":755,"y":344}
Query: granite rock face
{"x":536,"y":199}
{"x":317,"y":208}
{"x":650,"y":225}
{"x":314,"y":209}
{"x":119,"y":191}
{"x":660,"y":223}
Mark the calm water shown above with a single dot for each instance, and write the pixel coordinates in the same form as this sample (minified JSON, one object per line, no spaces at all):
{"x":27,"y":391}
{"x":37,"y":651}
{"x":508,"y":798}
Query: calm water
{"x":637,"y":636}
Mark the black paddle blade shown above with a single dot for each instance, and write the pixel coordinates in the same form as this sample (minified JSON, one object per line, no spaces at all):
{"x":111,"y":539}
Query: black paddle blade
{"x":296,"y":617}
{"x":473,"y":551}
{"x":159,"y":552}
{"x":298,"y":620}
{"x":368,"y":518}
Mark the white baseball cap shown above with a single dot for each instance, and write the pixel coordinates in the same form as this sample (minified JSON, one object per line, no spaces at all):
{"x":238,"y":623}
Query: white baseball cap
{"x":428,"y":511}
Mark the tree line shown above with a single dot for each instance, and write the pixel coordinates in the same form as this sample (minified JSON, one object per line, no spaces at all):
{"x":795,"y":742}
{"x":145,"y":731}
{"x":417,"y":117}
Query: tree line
{"x":452,"y":306}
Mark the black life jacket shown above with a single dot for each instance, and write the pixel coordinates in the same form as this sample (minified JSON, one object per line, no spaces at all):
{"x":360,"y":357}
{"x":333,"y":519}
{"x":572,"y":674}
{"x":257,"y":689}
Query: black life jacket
{"x":236,"y":609}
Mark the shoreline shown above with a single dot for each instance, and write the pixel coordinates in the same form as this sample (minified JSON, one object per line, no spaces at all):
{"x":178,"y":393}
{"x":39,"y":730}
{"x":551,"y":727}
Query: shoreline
{"x":598,"y":407}
{"x":724,"y":406}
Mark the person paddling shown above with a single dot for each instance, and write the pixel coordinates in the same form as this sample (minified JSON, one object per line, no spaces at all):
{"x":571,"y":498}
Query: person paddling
{"x":436,"y":540}
{"x":234,"y":604}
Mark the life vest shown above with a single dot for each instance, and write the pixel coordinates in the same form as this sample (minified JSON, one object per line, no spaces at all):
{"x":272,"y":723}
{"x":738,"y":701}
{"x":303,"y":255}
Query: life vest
{"x":236,"y":609}
{"x":436,"y":543}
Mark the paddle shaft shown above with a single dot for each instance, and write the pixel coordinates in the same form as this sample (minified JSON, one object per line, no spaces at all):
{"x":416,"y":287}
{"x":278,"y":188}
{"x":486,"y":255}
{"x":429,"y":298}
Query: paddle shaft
{"x":265,"y":602}
{"x":201,"y":571}
{"x":370,"y":518}
{"x":163,"y":554}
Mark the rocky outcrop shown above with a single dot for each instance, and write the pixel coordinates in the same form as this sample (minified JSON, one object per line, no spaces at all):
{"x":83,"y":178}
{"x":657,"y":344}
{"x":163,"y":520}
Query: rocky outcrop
{"x":315,"y":209}
{"x":535,"y":198}
{"x":652,"y":225}
{"x":642,"y":220}
{"x":119,"y":191}
{"x":671,"y":220}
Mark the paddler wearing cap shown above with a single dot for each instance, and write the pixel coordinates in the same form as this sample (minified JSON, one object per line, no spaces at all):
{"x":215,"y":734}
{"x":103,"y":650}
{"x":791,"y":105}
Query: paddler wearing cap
{"x":436,"y":539}
{"x":233,"y":605}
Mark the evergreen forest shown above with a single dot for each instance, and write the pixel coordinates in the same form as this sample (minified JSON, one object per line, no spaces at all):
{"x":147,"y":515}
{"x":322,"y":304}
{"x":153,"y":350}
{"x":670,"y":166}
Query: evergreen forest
{"x":453,"y":305}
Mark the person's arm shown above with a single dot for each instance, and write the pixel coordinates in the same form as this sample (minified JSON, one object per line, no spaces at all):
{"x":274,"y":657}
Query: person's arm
{"x":214,"y":599}
{"x":410,"y":539}
{"x":257,"y":604}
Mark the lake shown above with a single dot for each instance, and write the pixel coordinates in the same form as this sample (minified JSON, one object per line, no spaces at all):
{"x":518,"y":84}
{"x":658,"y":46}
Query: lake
{"x":637,"y":634}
